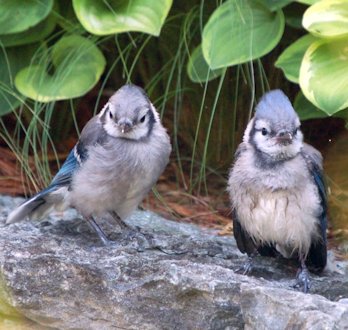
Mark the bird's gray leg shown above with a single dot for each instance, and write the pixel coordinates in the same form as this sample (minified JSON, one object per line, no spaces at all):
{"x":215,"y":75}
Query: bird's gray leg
{"x":248,"y":266}
{"x":302,"y":276}
{"x":97,"y":230}
{"x":131,"y":233}
{"x":121,"y":223}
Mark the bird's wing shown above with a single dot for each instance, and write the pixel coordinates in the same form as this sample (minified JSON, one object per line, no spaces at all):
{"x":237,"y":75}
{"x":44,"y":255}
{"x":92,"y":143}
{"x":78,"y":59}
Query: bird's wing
{"x":92,"y":134}
{"x":41,"y":203}
{"x":63,"y":177}
{"x":244,"y":241}
{"x":318,"y":251}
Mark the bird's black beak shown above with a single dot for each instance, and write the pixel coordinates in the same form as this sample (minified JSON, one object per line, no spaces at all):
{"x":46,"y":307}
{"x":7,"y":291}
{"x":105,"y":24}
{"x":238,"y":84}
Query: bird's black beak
{"x":284,"y":138}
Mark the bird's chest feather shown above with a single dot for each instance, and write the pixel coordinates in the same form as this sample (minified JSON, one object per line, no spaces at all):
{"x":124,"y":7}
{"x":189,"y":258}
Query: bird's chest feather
{"x":279,"y":206}
{"x":116,"y":177}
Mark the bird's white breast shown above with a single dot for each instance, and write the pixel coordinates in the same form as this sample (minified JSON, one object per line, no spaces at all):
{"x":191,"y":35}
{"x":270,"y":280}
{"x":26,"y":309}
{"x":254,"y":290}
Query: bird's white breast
{"x":116,"y":176}
{"x":279,"y":206}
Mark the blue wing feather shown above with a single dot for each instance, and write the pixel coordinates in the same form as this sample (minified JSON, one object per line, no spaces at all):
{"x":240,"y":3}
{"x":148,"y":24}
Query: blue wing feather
{"x":64,"y":175}
{"x":317,"y":256}
{"x":92,"y":134}
{"x":37,"y":205}
{"x":319,"y":181}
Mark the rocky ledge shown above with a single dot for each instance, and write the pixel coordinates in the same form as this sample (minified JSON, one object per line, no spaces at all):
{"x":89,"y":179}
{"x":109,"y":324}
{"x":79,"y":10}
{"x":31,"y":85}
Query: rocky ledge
{"x":55,"y":274}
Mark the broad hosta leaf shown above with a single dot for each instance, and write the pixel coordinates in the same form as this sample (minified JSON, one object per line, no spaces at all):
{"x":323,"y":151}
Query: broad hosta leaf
{"x":68,"y":20}
{"x":290,"y":59}
{"x":19,"y":15}
{"x":308,"y":2}
{"x":327,"y":18}
{"x":239,"y":31}
{"x":323,"y":74}
{"x":34,"y":34}
{"x":294,"y":14}
{"x":11,"y":61}
{"x":275,"y":4}
{"x":197,"y":68}
{"x":77,"y":63}
{"x":307,"y":110}
{"x":344,"y":115}
{"x":115,"y":16}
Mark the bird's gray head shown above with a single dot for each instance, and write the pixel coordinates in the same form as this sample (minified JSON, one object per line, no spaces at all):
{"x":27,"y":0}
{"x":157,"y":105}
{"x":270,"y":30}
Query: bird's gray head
{"x":274,"y":131}
{"x":129,"y":114}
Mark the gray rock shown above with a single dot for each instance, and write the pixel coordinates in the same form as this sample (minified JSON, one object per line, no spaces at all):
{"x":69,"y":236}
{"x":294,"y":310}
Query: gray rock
{"x":55,"y":274}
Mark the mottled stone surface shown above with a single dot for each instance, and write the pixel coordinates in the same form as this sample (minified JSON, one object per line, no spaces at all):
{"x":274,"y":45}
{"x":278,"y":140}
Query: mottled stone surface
{"x":55,"y":274}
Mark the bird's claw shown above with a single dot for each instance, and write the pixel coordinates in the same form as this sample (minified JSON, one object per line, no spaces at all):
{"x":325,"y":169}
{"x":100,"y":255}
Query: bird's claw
{"x":246,"y":268}
{"x":303,"y":280}
{"x":133,"y":235}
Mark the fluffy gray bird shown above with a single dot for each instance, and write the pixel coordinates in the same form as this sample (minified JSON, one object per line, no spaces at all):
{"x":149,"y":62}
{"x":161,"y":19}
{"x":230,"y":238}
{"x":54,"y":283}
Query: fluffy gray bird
{"x":120,"y":155}
{"x":277,"y":190}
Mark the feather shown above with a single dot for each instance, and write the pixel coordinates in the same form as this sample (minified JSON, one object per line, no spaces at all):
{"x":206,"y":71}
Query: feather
{"x":50,"y":197}
{"x":317,"y":255}
{"x":109,"y":169}
{"x":244,"y":242}
{"x":64,"y":175}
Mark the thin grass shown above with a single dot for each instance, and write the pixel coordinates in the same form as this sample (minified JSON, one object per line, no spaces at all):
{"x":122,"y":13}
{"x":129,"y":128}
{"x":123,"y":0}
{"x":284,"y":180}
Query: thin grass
{"x":160,"y":65}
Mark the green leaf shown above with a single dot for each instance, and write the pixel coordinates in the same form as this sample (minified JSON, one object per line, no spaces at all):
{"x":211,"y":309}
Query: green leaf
{"x":275,"y":4}
{"x":198,"y":69}
{"x":327,"y":18}
{"x":323,"y":74}
{"x":307,"y":110}
{"x":19,"y":15}
{"x":67,"y":18}
{"x":77,"y":63}
{"x":291,"y":58}
{"x":343,"y":114}
{"x":239,"y":31}
{"x":294,"y":14}
{"x":11,"y":61}
{"x":308,"y":2}
{"x":34,"y":34}
{"x":116,"y":16}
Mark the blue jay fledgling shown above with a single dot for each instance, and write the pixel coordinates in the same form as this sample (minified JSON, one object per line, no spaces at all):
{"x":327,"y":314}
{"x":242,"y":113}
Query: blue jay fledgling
{"x":277,"y":191}
{"x":120,"y":155}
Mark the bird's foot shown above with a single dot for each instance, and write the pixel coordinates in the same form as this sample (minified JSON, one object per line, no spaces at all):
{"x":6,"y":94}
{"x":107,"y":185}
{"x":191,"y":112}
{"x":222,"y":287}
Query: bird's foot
{"x":129,"y":234}
{"x":133,"y":236}
{"x":246,"y":268}
{"x":122,"y":224}
{"x":78,"y":226}
{"x":100,"y":233}
{"x":303,"y":279}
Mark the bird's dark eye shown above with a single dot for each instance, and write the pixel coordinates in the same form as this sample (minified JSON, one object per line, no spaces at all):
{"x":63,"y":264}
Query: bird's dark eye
{"x":264,"y":131}
{"x":295,"y":131}
{"x":142,"y":119}
{"x":111,"y":115}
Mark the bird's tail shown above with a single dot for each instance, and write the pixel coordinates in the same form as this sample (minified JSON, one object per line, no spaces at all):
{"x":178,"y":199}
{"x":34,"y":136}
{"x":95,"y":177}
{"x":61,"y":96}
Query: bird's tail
{"x":40,"y":204}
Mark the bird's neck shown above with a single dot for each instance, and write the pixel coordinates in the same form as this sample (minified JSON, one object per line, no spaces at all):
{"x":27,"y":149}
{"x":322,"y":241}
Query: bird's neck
{"x":267,"y":161}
